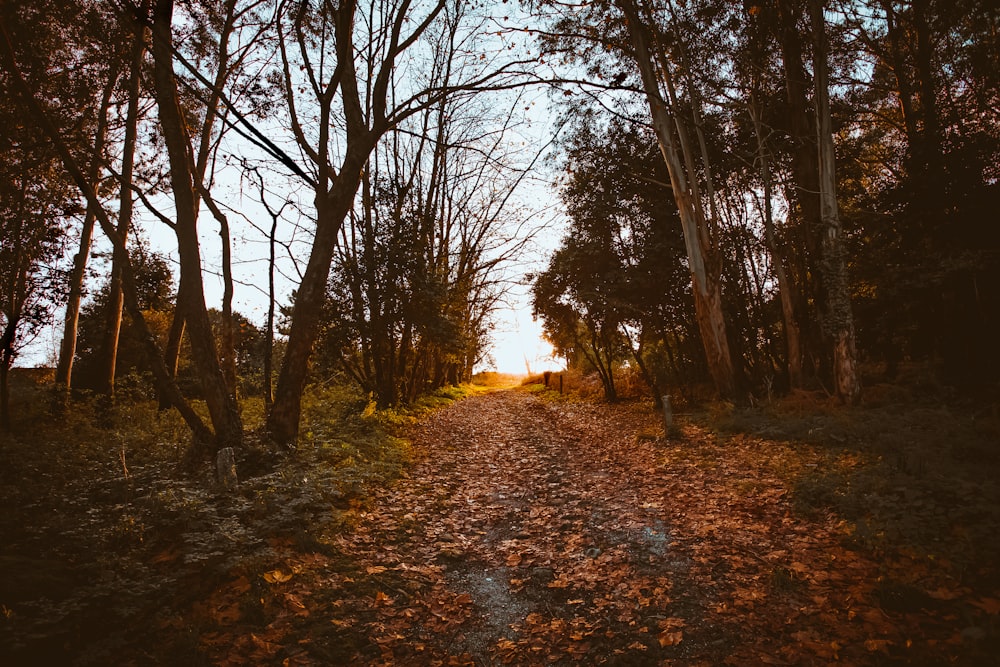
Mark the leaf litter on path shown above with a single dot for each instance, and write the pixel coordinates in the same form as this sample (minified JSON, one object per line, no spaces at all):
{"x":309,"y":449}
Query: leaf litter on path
{"x":532,"y":532}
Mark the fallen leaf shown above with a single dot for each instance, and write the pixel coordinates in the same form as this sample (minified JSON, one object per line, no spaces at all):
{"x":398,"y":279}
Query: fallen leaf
{"x":670,"y":637}
{"x":276,"y":577}
{"x":880,"y":645}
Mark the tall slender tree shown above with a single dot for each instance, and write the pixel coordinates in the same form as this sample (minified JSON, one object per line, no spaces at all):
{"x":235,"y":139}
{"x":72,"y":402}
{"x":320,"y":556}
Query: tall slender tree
{"x":185,"y":190}
{"x":838,"y":320}
{"x":697,"y":207}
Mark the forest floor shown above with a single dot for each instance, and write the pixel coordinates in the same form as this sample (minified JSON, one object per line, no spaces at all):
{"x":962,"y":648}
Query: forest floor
{"x":529,"y":529}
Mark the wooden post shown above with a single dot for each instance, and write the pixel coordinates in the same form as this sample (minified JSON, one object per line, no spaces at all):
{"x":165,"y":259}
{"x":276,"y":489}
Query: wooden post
{"x":225,"y":469}
{"x":668,"y":416}
{"x":560,"y":383}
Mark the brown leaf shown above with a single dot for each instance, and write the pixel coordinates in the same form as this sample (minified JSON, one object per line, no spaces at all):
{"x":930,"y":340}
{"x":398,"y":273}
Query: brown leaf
{"x":276,"y":577}
{"x":670,"y":637}
{"x":880,"y":645}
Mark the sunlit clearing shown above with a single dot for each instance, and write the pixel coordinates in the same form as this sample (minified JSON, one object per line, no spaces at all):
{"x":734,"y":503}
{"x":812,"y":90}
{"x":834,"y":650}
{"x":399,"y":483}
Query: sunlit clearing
{"x":519,"y":348}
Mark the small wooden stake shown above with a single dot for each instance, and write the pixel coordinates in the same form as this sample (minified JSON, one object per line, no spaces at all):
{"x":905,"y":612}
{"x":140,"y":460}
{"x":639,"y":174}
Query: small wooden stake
{"x":225,"y":468}
{"x":668,"y":416}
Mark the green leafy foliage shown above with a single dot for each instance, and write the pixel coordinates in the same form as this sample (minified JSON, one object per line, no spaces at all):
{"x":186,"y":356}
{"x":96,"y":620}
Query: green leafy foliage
{"x":618,"y":288}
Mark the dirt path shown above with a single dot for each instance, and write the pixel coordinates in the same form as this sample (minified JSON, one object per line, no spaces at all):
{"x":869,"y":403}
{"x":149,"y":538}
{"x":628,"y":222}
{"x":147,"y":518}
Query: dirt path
{"x":535,"y":532}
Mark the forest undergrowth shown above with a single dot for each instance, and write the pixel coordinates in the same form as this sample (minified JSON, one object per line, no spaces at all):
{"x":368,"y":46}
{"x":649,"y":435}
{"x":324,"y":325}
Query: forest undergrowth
{"x":512,"y":527}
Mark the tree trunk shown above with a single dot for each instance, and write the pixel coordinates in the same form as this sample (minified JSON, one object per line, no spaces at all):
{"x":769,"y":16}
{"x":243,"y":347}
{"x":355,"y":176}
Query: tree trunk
{"x":647,"y":375}
{"x":116,"y":300}
{"x":805,"y":181}
{"x":269,"y":332}
{"x":6,"y":359}
{"x":67,"y":350}
{"x":703,"y":265}
{"x":190,"y":296}
{"x":838,"y":320}
{"x":331,"y":210}
{"x":791,"y":327}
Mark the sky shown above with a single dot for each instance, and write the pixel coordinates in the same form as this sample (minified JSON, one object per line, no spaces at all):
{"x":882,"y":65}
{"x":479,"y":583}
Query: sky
{"x":518,"y":346}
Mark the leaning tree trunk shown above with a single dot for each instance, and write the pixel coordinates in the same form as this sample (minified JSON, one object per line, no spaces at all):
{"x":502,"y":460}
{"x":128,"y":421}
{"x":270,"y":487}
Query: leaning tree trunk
{"x":703,"y":264}
{"x":838,"y":321}
{"x":67,"y":350}
{"x":331,"y":210}
{"x":190,"y":295}
{"x":116,"y":298}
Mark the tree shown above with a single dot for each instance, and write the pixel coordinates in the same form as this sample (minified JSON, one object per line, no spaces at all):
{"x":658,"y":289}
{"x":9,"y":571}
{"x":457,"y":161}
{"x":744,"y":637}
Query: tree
{"x":346,"y":86}
{"x":622,"y":261}
{"x":415,"y":274}
{"x":926,"y":142}
{"x":838,"y":320}
{"x":116,"y":297}
{"x":758,"y":77}
{"x":155,"y":293}
{"x":104,"y":72}
{"x":687,"y":166}
{"x":41,"y":116}
{"x":36,"y":200}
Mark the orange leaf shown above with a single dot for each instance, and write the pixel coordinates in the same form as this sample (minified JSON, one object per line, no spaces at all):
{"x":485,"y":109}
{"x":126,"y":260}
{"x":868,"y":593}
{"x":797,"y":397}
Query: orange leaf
{"x":945,"y":593}
{"x":276,"y":577}
{"x":670,"y":637}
